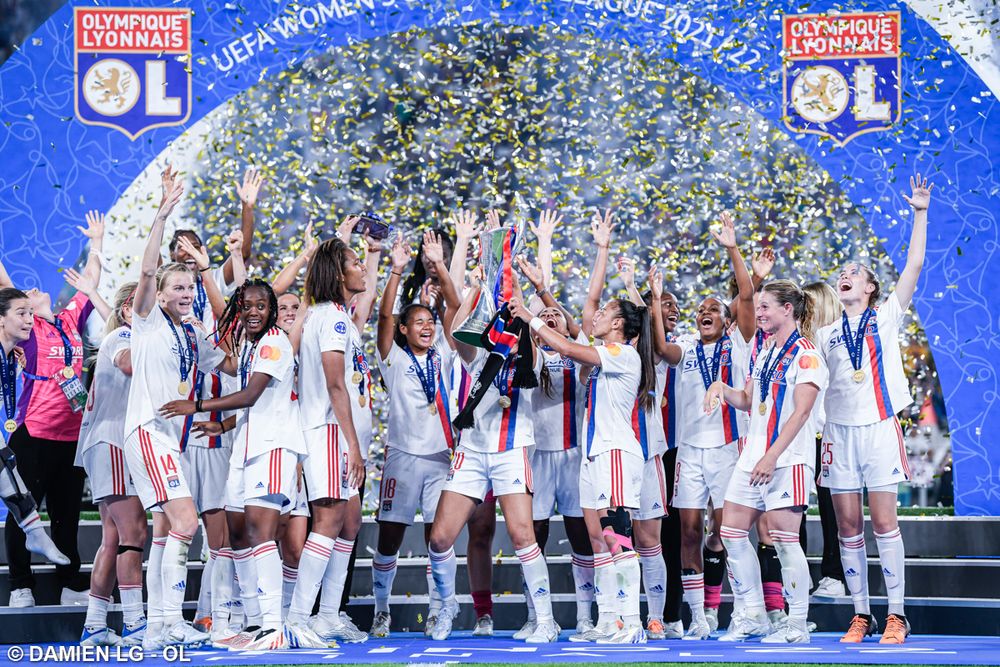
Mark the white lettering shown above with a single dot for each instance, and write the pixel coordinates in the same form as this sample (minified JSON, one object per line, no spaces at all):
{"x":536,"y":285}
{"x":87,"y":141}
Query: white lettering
{"x":157,"y":102}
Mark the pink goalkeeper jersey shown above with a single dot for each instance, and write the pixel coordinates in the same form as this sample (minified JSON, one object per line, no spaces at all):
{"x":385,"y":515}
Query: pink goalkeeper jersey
{"x":42,"y":407}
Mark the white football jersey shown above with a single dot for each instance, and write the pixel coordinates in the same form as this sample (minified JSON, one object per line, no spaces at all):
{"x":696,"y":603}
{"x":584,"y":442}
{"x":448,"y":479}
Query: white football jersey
{"x":558,"y":413}
{"x":418,"y":426}
{"x":103,"y":418}
{"x":611,"y":392}
{"x":647,"y":425}
{"x":721,"y":426}
{"x":500,"y":429}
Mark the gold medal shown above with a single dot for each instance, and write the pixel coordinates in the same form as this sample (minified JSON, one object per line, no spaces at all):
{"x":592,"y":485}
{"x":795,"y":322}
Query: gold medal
{"x":362,"y":400}
{"x":715,"y":402}
{"x":183,"y":388}
{"x":859,"y":376}
{"x":504,"y":402}
{"x":663,"y":402}
{"x":68,"y":372}
{"x":356,"y":378}
{"x":433,"y":408}
{"x":762,"y":409}
{"x":10,"y":426}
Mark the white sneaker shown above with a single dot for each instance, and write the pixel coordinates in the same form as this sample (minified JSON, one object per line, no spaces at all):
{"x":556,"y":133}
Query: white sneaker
{"x":810,"y":627}
{"x":712,"y":617}
{"x":526,"y":630}
{"x":698,"y":630}
{"x":38,"y":542}
{"x":830,"y":588}
{"x":349,"y":622}
{"x":789,"y":633}
{"x":746,"y":625}
{"x":183,"y":633}
{"x":223,"y":636}
{"x":99,"y":637}
{"x":633,"y":635}
{"x":445,"y":620}
{"x":674,"y":630}
{"x":584,"y":625}
{"x":21,"y":597}
{"x":777,"y":618}
{"x":545,"y":633}
{"x":71,"y":597}
{"x":152,"y":639}
{"x":268,"y":639}
{"x":332,"y":630}
{"x":595,"y":634}
{"x":300,"y":635}
{"x":132,"y":635}
{"x":432,"y":620}
{"x":380,"y":626}
{"x":484,"y":626}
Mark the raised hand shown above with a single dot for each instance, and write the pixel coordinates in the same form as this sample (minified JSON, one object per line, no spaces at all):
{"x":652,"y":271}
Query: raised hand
{"x":174,"y":188}
{"x":250,"y":188}
{"x":433,"y":250}
{"x":80,"y":282}
{"x":465,"y":224}
{"x":601,"y":227}
{"x":430,"y":294}
{"x":920,"y":196}
{"x":372,"y":244}
{"x":626,"y":268}
{"x":518,"y":310}
{"x":311,"y":242}
{"x":547,"y":223}
{"x":199,"y":254}
{"x":531,"y":271}
{"x":234,"y":242}
{"x":655,"y":280}
{"x":493,"y":220}
{"x":400,"y":253}
{"x":95,"y":226}
{"x":726,"y":236}
{"x":346,"y":228}
{"x":168,"y":179}
{"x":763,"y":263}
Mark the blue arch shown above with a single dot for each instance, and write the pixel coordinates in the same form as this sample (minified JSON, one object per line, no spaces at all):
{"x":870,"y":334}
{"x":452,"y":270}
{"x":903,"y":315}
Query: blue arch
{"x":54,"y":168}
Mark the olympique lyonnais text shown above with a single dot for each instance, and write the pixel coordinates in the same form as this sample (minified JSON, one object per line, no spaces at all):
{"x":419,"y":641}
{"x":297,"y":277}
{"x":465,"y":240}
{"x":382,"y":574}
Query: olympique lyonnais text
{"x":856,"y":35}
{"x":137,"y":30}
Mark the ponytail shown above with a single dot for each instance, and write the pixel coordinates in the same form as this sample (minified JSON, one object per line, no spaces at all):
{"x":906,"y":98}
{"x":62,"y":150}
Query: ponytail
{"x":123,"y":297}
{"x":637,"y":327}
{"x":808,"y":313}
{"x":803,"y":304}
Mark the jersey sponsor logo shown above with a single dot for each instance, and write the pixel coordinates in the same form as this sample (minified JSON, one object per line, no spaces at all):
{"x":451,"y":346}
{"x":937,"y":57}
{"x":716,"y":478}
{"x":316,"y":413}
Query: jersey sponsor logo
{"x":841,"y":73}
{"x":340,"y":328}
{"x":269,"y":352}
{"x":808,"y":361}
{"x":133,"y":67}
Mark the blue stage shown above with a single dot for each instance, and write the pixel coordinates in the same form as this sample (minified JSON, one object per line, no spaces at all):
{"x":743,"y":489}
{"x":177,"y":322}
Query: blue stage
{"x":403,"y":648}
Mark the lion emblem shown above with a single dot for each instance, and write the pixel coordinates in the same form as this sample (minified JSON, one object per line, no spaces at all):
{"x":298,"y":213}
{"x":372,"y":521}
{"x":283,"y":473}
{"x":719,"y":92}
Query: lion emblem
{"x":820,"y":94}
{"x":111,"y":87}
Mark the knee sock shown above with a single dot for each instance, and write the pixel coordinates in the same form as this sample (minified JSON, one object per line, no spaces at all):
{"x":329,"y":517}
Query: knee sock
{"x":97,"y":612}
{"x":383,"y":574}
{"x":482,"y":602}
{"x":205,"y":592}
{"x":316,"y":555}
{"x":855,"y":560}
{"x":770,"y":575}
{"x":694,"y":593}
{"x":246,"y":576}
{"x":892,"y":557}
{"x":174,"y":569}
{"x":222,"y":589}
{"x":629,"y":574}
{"x":670,"y":539}
{"x":715,"y":572}
{"x":654,"y":580}
{"x":583,"y":582}
{"x":528,"y":601}
{"x":737,"y":598}
{"x":434,"y":606}
{"x":154,"y":584}
{"x":289,"y":575}
{"x":335,"y":579}
{"x":745,"y":568}
{"x":605,"y":588}
{"x":536,"y":580}
{"x":794,"y":574}
{"x":267,"y":566}
{"x":131,"y":603}
{"x":443,"y":568}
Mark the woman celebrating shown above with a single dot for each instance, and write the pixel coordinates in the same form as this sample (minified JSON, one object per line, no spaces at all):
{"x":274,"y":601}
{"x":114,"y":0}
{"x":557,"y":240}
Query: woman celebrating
{"x":101,"y":453}
{"x":415,"y":369}
{"x":863,"y":444}
{"x":167,"y":354}
{"x":772,"y":472}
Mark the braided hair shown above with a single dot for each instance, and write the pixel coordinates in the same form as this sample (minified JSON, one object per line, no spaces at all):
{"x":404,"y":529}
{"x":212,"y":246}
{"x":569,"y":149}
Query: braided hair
{"x":230,"y":327}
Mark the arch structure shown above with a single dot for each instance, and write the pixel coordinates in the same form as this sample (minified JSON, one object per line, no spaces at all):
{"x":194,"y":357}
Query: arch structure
{"x":869,"y":90}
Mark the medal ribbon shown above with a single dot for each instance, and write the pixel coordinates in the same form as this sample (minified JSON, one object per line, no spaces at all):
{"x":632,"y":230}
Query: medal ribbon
{"x":67,"y":352}
{"x":8,"y":375}
{"x":246,"y":361}
{"x":855,"y":343}
{"x":188,"y":353}
{"x":426,"y":375}
{"x":200,"y":299}
{"x":758,"y":344}
{"x":706,"y":377}
{"x":359,"y":364}
{"x":502,"y":381}
{"x":767,"y":373}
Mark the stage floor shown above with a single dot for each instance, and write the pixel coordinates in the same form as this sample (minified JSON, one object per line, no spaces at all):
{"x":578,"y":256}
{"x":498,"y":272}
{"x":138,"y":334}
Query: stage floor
{"x":405,"y":648}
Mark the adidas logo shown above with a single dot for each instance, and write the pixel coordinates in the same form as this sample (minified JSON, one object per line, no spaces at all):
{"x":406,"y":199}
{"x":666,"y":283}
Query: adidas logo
{"x":179,"y":586}
{"x":895,"y":471}
{"x":656,"y":506}
{"x":517,"y":482}
{"x":621,"y":594}
{"x":850,"y":572}
{"x":260,"y":485}
{"x":785,"y":495}
{"x":586,"y":587}
{"x":887,"y":572}
{"x":541,"y":592}
{"x":602,"y":497}
{"x":656,"y":589}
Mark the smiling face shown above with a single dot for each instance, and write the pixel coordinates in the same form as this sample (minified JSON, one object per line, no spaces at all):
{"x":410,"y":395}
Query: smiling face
{"x":180,"y":256}
{"x":772,"y":315}
{"x":255,"y":311}
{"x":288,"y":309}
{"x":854,"y":285}
{"x":41,"y":302}
{"x":354,"y":273}
{"x":554,"y":318}
{"x":176,"y":293}
{"x":418,"y":329}
{"x":607,"y":319}
{"x":671,"y":311}
{"x":711,"y":320}
{"x":16,"y":323}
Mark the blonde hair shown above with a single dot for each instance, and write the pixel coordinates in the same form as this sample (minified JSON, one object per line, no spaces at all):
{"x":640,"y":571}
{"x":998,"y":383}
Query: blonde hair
{"x":167,"y":270}
{"x":123,"y":297}
{"x":826,"y":305}
{"x":786,"y":291}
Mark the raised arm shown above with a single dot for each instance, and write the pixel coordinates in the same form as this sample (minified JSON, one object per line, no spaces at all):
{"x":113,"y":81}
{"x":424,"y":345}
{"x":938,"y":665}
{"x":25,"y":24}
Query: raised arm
{"x":200,"y":255}
{"x":761,"y":266}
{"x":669,"y":352}
{"x":95,"y":232}
{"x":534,"y":275}
{"x":466,"y":352}
{"x":434,"y":252}
{"x":466,"y":229}
{"x":584,"y":354}
{"x":626,"y":269}
{"x":601,"y":228}
{"x":236,"y":244}
{"x":364,"y":303}
{"x":399,"y":256}
{"x":746,"y":318}
{"x":919,"y":199}
{"x":546,"y":227}
{"x":85,"y":285}
{"x":286,"y":277}
{"x":145,"y":292}
{"x":248,"y":192}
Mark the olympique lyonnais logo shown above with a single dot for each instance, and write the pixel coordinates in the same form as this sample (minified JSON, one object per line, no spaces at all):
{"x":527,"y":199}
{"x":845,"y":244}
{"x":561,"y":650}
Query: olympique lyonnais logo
{"x":841,"y":73}
{"x":133,"y":67}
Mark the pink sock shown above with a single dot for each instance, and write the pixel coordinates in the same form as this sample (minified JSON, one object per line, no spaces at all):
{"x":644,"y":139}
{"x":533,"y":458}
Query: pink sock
{"x":713,"y":597}
{"x":773,"y":599}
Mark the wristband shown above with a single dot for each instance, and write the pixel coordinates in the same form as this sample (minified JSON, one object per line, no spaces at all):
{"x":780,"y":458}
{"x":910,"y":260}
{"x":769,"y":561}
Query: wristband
{"x":197,"y":406}
{"x":540,"y":292}
{"x":536,"y":323}
{"x":207,"y":268}
{"x":396,"y":273}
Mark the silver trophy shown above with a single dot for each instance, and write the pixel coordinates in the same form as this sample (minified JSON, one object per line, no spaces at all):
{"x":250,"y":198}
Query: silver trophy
{"x":497,"y":249}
